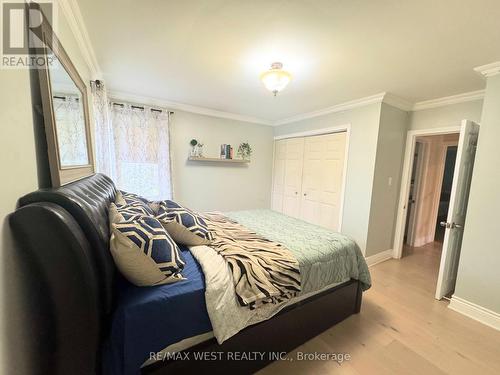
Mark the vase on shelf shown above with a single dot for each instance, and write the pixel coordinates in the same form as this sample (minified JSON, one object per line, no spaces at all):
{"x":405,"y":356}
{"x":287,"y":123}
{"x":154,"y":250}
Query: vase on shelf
{"x":199,"y":151}
{"x":194,"y":151}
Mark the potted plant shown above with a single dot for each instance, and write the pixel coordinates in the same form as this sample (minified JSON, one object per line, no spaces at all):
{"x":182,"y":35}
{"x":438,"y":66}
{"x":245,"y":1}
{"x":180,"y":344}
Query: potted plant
{"x":245,"y":151}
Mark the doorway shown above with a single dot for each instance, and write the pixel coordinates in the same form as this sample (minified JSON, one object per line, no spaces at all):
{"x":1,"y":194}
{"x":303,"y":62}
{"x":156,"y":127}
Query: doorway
{"x":430,"y":189}
{"x":435,"y":186}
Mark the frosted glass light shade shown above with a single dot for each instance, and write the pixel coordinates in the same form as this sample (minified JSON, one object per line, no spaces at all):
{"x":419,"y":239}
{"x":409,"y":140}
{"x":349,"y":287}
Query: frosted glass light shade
{"x":276,"y":79}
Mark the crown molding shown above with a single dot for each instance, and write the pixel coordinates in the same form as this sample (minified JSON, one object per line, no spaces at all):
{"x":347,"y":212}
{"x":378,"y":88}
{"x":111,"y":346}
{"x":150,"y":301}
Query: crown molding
{"x":397,"y":102}
{"x":378,"y":98}
{"x":130,"y":98}
{"x":383,"y":97}
{"x":448,"y":100}
{"x":74,"y":17}
{"x":488,"y":70}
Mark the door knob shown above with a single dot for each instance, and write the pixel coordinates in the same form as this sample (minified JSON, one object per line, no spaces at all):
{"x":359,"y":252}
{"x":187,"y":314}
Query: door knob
{"x":444,"y":224}
{"x":305,"y":194}
{"x":296,"y":192}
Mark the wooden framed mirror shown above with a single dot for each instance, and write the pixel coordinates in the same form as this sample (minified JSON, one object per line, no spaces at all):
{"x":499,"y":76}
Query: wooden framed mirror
{"x":66,"y":113}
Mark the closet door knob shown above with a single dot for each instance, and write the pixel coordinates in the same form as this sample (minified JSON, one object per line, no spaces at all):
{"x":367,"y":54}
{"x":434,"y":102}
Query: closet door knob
{"x":305,"y":194}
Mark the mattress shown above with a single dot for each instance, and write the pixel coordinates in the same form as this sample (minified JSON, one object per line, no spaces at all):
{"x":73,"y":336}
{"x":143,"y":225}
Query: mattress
{"x":147,"y":319}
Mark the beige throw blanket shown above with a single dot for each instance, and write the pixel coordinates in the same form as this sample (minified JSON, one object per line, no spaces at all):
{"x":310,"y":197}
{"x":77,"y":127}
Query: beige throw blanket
{"x":263,"y":271}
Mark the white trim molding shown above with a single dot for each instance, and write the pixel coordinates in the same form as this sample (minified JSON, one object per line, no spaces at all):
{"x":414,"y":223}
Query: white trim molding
{"x":397,"y":102}
{"x":320,"y":131}
{"x":379,"y":257}
{"x":388,"y":98}
{"x":476,"y":312}
{"x":383,"y":97}
{"x":489,"y":70}
{"x":74,"y":17}
{"x":115,"y":95}
{"x":378,"y":98}
{"x":449,"y":100}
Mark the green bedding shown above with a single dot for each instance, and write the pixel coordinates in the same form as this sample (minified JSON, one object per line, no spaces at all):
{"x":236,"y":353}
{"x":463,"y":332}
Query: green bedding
{"x":325,"y":257}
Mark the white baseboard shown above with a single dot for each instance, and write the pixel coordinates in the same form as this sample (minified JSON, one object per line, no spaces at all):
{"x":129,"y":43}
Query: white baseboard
{"x":476,"y":312}
{"x":379,"y":257}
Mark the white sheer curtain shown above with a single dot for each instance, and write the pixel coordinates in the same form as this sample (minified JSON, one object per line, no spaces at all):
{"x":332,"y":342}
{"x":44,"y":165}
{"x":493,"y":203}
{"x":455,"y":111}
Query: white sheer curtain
{"x":135,"y":150}
{"x":70,"y":126}
{"x":103,"y":133}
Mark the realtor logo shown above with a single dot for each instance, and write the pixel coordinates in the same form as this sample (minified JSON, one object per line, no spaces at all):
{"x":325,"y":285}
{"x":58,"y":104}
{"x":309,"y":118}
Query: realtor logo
{"x":21,"y":43}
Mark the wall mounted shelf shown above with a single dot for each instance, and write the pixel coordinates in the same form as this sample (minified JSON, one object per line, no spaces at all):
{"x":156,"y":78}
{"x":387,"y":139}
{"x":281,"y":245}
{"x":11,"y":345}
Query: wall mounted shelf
{"x":218,"y":160}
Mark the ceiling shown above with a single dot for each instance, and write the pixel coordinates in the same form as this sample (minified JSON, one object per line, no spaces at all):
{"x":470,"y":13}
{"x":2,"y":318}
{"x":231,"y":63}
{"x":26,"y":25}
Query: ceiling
{"x":210,"y":53}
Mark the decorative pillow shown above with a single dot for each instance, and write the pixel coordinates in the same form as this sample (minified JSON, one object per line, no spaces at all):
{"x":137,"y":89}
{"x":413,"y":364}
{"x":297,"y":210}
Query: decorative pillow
{"x":118,"y":214}
{"x":119,"y":199}
{"x":145,"y":253}
{"x":129,"y":199}
{"x":185,"y":226}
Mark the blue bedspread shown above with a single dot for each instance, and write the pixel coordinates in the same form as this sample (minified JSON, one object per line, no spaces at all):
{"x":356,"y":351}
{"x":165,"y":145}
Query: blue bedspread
{"x":148,"y":319}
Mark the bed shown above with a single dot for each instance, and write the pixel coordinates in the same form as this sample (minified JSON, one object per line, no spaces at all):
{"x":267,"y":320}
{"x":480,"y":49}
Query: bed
{"x":99,"y":323}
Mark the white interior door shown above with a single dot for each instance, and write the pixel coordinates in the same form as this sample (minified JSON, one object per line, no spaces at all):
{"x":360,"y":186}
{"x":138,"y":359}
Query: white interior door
{"x":322,"y":179}
{"x":279,"y":175}
{"x":293,"y":176}
{"x":457,"y":210}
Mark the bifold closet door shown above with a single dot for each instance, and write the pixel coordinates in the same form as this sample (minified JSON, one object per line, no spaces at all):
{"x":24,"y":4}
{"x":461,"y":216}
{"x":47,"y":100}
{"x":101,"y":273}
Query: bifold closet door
{"x":293,"y":176}
{"x":279,"y":175}
{"x":322,"y":177}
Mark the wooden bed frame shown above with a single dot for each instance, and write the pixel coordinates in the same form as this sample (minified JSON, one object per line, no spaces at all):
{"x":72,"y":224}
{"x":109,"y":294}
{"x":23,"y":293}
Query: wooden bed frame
{"x":64,"y":236}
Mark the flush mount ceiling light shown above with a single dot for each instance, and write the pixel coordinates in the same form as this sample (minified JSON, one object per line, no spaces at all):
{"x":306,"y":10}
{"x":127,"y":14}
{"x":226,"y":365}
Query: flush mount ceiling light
{"x":276,"y":79}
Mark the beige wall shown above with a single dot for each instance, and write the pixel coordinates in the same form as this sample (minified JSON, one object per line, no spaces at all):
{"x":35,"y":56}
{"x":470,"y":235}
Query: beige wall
{"x":364,"y":123}
{"x":19,"y":167}
{"x":450,"y":115}
{"x":221,"y":186}
{"x":478,"y":278}
{"x":388,"y":166}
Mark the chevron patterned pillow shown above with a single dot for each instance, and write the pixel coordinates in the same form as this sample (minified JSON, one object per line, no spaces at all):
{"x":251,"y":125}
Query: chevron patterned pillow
{"x":185,"y":226}
{"x":145,"y":253}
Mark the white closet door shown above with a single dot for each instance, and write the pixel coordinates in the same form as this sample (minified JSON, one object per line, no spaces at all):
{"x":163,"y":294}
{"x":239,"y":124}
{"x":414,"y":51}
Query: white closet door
{"x":279,"y":175}
{"x":293,"y":176}
{"x":323,"y":173}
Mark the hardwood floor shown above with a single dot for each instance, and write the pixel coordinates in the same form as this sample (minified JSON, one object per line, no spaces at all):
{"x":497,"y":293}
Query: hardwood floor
{"x":402,"y":329}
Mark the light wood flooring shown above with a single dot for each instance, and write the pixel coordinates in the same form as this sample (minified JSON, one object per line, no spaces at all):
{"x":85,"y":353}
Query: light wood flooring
{"x":402,"y":329}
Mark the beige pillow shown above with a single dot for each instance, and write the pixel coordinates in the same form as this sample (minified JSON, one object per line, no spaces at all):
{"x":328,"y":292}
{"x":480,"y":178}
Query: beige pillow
{"x":183,"y":235}
{"x":143,"y":251}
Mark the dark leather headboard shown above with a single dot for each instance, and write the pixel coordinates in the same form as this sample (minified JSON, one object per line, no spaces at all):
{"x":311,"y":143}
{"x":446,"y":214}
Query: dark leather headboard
{"x":87,"y":200}
{"x":64,"y":232}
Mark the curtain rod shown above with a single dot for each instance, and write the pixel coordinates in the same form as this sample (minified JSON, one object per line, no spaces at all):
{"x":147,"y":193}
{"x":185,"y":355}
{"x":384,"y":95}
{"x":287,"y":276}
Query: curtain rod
{"x":140,"y":107}
{"x":64,"y":97}
{"x":100,"y":83}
